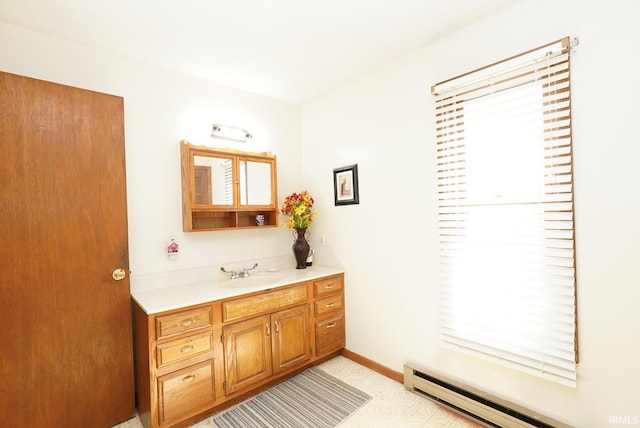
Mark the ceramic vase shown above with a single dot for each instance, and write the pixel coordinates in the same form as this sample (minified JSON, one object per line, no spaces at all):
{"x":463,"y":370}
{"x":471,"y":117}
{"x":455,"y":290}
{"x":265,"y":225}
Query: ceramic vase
{"x":301,"y":249}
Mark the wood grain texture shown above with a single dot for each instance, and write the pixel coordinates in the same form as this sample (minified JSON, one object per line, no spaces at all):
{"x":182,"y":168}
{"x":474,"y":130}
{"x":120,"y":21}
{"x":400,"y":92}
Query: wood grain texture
{"x":66,"y":335}
{"x":263,"y":302}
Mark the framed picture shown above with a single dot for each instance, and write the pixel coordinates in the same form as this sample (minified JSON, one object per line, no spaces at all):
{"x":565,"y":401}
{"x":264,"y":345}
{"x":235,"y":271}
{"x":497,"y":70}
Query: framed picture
{"x":345,"y":185}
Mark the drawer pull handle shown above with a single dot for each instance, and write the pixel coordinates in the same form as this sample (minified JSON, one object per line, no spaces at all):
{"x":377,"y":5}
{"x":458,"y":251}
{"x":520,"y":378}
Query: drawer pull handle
{"x":329,"y":287}
{"x":268,"y":330}
{"x":277,"y":328}
{"x":186,"y":349}
{"x":330,"y":305}
{"x":331,"y":325}
{"x":186,"y":323}
{"x":188,"y":378}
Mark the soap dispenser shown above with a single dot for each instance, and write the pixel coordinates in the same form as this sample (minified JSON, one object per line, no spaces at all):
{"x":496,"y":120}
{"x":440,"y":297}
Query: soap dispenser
{"x":309,"y":261}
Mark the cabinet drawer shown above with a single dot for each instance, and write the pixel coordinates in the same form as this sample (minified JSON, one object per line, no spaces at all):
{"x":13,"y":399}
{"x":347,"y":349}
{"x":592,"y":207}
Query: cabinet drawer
{"x":328,"y":304}
{"x":182,"y":322}
{"x":328,"y":286}
{"x":184,"y":391}
{"x":265,"y":302}
{"x":330,"y":335}
{"x":182,"y":349}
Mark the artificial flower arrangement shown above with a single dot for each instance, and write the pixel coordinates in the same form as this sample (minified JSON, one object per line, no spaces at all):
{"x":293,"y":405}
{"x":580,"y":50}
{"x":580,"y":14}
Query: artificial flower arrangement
{"x":298,"y":207}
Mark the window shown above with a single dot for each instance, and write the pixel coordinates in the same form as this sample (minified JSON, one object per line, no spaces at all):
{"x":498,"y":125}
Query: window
{"x":505,"y":211}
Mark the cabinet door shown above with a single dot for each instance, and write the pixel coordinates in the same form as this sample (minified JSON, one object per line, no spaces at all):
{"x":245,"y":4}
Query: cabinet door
{"x":185,"y":391}
{"x":291,"y":333}
{"x":330,"y":335}
{"x":247,"y":352}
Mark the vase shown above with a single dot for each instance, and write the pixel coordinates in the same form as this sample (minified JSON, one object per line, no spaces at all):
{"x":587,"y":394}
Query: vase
{"x":301,"y":249}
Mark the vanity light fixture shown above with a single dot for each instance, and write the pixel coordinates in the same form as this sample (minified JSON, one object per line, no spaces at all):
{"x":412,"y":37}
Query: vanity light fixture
{"x":231,"y":133}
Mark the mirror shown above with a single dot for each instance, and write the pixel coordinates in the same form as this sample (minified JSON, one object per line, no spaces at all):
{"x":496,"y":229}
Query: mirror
{"x":213,"y":180}
{"x":255,"y":183}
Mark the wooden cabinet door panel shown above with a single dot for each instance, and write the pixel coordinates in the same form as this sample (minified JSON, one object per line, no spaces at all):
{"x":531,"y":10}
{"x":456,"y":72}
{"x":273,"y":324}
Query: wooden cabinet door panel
{"x":186,"y":390}
{"x":247,"y":352}
{"x":291,"y":344}
{"x":66,"y":322}
{"x":330,"y":335}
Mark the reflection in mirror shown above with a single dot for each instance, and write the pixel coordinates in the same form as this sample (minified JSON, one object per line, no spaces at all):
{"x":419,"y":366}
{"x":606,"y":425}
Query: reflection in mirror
{"x":255,"y":183}
{"x":213,"y":180}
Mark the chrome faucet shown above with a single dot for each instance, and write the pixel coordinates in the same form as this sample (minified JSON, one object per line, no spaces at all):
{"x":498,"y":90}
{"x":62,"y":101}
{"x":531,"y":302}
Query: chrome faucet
{"x":239,"y":274}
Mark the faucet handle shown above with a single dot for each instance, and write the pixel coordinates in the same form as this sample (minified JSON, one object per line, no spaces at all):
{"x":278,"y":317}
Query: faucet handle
{"x":245,"y":271}
{"x":239,"y":274}
{"x":234,"y":273}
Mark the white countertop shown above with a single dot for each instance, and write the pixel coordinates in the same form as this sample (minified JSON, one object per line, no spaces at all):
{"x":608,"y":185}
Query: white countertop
{"x":215,"y":286}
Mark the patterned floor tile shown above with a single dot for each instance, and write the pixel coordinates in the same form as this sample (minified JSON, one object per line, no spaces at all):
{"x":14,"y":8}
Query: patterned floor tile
{"x":391,"y":406}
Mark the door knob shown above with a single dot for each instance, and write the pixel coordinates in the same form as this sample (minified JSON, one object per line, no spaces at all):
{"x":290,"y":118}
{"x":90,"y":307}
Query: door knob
{"x":118,"y":274}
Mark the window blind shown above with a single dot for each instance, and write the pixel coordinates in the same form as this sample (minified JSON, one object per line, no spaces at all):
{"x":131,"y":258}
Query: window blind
{"x":505,"y":213}
{"x":227,"y":168}
{"x":244,"y":196}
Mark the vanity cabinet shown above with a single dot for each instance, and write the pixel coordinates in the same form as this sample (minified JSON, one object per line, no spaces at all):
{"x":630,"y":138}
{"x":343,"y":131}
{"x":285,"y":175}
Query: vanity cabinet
{"x":226,"y":189}
{"x":329,"y":314}
{"x":264,"y":346}
{"x":274,"y":336}
{"x":192,"y":359}
{"x":175,"y":369}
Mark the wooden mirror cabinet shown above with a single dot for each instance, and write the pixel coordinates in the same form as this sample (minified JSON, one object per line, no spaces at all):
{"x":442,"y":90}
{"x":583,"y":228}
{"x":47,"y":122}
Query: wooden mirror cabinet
{"x":226,"y":189}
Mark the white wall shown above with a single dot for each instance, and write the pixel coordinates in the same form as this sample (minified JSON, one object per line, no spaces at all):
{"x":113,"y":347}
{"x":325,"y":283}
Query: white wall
{"x":162,"y":108}
{"x":388,"y":243}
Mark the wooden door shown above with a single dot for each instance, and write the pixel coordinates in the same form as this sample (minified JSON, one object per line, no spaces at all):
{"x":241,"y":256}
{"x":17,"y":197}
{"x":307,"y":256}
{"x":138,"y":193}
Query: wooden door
{"x":202,"y":184}
{"x":291,"y":344}
{"x":65,"y":322}
{"x":247,"y":352}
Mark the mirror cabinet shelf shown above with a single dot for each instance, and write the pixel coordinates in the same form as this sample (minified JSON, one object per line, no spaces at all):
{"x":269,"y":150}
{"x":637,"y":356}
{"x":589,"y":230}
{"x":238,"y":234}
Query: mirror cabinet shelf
{"x":226,"y":189}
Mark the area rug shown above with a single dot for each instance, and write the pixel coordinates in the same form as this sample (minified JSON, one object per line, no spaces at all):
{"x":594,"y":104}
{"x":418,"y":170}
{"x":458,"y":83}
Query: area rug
{"x":311,"y":399}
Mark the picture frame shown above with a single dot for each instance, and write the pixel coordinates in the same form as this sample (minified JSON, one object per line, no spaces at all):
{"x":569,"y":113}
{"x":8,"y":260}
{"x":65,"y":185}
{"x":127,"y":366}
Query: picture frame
{"x":345,"y":185}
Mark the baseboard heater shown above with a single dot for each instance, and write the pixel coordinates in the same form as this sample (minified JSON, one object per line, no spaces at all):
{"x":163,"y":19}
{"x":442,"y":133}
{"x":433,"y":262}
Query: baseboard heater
{"x":478,"y":405}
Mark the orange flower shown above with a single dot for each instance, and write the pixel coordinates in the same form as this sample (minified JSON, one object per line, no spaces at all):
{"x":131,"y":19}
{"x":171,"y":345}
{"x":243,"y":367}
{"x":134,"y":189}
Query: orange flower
{"x":298,"y":207}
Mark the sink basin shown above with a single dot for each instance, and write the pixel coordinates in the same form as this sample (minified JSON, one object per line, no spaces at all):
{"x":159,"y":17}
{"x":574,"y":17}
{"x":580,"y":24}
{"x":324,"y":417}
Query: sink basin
{"x":255,"y":280}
